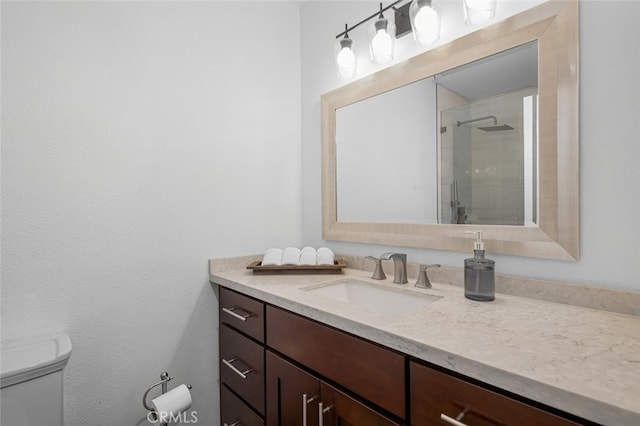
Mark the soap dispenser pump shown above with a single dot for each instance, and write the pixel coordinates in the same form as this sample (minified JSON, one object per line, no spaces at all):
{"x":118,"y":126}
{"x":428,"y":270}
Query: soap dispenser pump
{"x":479,"y":277}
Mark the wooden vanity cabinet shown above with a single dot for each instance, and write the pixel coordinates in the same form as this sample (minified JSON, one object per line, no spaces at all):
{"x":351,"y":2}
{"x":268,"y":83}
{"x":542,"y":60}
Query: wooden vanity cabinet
{"x":438,"y":398}
{"x":280,"y":369}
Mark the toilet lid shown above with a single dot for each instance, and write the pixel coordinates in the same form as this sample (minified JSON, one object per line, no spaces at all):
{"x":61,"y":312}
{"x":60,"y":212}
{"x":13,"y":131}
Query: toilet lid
{"x":31,"y":358}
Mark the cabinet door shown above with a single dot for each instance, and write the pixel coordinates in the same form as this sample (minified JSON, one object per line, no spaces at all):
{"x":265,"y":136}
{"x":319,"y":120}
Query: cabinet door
{"x":339,"y":409}
{"x":292,"y":394}
{"x":440,"y":399}
{"x":295,"y":397}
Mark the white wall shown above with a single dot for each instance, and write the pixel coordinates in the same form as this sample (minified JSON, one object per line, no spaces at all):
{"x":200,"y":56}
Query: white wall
{"x":609,"y":152}
{"x":139,"y":140}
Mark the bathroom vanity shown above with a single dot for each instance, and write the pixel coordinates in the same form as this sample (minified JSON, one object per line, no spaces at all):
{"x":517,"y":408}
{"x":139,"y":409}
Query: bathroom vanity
{"x":291,"y":355}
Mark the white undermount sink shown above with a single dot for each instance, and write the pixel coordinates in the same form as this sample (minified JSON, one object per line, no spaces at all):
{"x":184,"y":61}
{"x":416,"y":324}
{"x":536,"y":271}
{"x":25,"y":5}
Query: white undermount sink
{"x":372,"y":296}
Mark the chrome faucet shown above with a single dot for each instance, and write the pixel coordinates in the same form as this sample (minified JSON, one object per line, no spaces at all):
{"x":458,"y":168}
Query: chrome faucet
{"x":399,"y":266}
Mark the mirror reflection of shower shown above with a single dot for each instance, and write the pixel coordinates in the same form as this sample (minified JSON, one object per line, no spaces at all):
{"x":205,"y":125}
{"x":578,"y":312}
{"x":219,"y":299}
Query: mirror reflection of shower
{"x":488,"y":158}
{"x":488,"y":140}
{"x":493,"y":128}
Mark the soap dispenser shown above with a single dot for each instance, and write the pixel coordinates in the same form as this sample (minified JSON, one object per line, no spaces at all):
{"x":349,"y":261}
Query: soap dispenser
{"x":479,"y":277}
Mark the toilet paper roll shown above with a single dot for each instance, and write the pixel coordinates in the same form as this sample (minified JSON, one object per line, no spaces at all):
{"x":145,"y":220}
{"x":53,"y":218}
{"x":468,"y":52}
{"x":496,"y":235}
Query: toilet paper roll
{"x":168,"y":406}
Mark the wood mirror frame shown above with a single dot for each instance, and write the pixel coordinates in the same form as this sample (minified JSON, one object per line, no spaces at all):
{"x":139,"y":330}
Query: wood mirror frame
{"x":554,"y":25}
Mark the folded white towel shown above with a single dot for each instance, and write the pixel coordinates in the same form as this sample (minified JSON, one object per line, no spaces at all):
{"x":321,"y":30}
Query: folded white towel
{"x":272,"y":256}
{"x":308,"y":256}
{"x":291,"y":256}
{"x":325,"y":256}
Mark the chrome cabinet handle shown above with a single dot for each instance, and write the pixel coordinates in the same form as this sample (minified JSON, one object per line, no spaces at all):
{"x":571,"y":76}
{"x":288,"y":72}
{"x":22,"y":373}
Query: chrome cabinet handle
{"x":321,"y":411}
{"x":231,"y":312}
{"x":229,"y":363}
{"x":451,"y":421}
{"x":456,"y":421}
{"x":305,"y":401}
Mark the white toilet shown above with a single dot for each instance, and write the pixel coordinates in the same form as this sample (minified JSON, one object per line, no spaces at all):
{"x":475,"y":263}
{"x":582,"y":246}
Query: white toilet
{"x":31,"y":381}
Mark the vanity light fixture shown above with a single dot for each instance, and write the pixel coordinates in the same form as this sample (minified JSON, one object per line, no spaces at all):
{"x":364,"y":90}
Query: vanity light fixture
{"x":345,"y":58}
{"x":478,"y":11}
{"x":381,"y":43}
{"x":382,"y":37}
{"x":425,"y":22}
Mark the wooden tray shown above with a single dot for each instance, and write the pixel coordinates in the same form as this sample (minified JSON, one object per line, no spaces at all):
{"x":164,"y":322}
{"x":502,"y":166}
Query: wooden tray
{"x":258,"y":269}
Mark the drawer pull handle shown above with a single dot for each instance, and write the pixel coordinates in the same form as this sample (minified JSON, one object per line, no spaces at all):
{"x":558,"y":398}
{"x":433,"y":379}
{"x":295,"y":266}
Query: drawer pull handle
{"x":229,"y":363}
{"x":456,"y":421}
{"x":305,"y":401}
{"x":236,"y":423}
{"x":321,"y":411}
{"x":231,"y":311}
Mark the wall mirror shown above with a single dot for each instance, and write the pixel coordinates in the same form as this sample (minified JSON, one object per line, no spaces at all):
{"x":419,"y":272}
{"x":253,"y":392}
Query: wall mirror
{"x":481,"y":133}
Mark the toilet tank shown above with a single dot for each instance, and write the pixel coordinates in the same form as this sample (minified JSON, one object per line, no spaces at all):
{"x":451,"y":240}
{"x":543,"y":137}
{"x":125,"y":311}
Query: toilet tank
{"x":31,"y":380}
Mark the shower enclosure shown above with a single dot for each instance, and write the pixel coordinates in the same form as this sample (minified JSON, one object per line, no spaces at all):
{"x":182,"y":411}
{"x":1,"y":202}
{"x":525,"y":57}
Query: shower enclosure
{"x":488,"y":159}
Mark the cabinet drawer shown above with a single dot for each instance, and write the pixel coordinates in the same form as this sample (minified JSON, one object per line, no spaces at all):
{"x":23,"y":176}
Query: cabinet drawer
{"x":434,"y":394}
{"x":234,"y":411}
{"x":242,"y":312}
{"x":242,"y":366}
{"x":371,"y":371}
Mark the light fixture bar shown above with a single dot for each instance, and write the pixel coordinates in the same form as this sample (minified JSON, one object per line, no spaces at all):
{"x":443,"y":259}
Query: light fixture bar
{"x":375,"y":15}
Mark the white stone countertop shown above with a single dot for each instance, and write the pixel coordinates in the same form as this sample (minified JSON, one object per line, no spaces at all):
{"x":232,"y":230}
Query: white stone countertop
{"x":579,"y":360}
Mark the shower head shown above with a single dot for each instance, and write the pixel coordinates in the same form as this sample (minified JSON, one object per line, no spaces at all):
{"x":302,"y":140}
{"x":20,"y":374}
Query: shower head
{"x":500,"y":128}
{"x":494,"y":128}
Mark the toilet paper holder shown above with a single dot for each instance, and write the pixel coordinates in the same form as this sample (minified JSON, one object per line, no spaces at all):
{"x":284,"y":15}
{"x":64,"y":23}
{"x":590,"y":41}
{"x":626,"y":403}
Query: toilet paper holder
{"x":164,"y":379}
